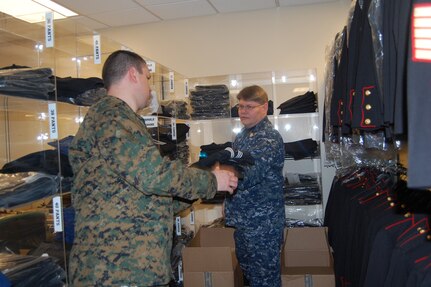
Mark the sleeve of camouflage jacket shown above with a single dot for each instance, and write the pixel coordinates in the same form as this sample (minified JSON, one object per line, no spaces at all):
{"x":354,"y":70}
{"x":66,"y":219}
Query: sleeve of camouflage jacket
{"x":127,"y":147}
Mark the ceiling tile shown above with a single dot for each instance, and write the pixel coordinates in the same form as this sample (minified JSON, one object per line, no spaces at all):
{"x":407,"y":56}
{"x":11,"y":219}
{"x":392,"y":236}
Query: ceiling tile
{"x":225,"y":6}
{"x":86,"y":7}
{"x":125,"y":17}
{"x":89,"y":23}
{"x":182,"y":9}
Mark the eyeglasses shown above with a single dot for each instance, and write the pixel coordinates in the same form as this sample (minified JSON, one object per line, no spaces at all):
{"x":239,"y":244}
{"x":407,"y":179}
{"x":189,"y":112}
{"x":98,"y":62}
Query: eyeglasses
{"x":247,"y":108}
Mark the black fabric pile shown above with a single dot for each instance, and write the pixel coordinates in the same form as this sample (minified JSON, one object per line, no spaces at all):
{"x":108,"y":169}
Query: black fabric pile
{"x":210,"y":102}
{"x":306,"y":103}
{"x":31,"y":271}
{"x":26,"y":82}
{"x":306,"y":148}
{"x":79,"y":91}
{"x":302,"y":191}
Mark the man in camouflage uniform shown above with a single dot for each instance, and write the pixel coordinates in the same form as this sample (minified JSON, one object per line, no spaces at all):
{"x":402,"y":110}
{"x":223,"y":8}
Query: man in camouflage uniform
{"x":123,"y":189}
{"x":256,"y":210}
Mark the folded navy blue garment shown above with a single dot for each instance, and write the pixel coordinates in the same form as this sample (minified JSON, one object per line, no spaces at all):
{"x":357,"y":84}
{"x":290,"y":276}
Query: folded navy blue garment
{"x":211,"y":148}
{"x":305,"y":103}
{"x":36,"y":186}
{"x":46,"y":161}
{"x":301,"y":149}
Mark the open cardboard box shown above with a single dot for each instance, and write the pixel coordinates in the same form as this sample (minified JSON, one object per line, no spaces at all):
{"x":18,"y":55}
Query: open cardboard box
{"x":306,"y":259}
{"x":209,"y":259}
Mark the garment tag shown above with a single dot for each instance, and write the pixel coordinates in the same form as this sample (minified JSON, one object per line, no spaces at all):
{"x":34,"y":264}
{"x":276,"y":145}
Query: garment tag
{"x":208,"y":279}
{"x":421,"y":32}
{"x":150,"y":121}
{"x":171,"y":82}
{"x":151,"y":65}
{"x":97,"y":52}
{"x":180,"y":271}
{"x":186,"y":88}
{"x":57,"y":213}
{"x":178,"y":225}
{"x":308,"y":280}
{"x":174,"y":129}
{"x":49,"y":29}
{"x":192,"y":217}
{"x":52,"y":111}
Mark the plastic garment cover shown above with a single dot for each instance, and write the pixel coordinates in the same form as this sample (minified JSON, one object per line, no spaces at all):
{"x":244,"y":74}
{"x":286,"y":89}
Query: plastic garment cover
{"x":23,"y":271}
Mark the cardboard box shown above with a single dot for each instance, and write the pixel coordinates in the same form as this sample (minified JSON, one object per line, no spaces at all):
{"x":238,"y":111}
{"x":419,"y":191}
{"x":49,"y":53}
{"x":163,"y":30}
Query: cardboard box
{"x":307,"y":277}
{"x":306,"y":260}
{"x":209,"y":259}
{"x":306,"y":247}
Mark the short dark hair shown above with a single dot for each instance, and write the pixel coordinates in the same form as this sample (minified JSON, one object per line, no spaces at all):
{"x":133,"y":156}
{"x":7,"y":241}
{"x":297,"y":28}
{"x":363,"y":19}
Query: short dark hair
{"x":253,"y":93}
{"x":117,"y":65}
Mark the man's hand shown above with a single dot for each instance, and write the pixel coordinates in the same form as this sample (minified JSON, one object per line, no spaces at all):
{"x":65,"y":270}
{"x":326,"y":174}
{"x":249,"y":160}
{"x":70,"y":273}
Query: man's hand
{"x":226,"y":180}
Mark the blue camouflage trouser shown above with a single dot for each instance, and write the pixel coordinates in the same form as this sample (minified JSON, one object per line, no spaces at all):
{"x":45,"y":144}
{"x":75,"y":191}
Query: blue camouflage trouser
{"x":258,"y":252}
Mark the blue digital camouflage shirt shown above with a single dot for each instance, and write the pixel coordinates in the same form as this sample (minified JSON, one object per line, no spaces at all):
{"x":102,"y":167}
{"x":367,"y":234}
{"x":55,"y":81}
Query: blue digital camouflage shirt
{"x":259,"y":198}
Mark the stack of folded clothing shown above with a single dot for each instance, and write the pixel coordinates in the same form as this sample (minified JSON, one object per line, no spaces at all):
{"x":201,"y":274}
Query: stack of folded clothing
{"x":210,"y":102}
{"x":302,"y":189}
{"x":301,"y":149}
{"x":79,"y":91}
{"x":26,"y":82}
{"x":306,"y":103}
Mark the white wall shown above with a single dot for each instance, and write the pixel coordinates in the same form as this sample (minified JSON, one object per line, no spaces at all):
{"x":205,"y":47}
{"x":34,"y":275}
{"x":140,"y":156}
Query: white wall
{"x":288,"y":38}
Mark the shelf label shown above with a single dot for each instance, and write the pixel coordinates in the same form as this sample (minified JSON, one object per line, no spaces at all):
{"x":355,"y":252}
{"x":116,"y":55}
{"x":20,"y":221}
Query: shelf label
{"x":180,"y":271}
{"x":186,"y":88}
{"x":52,"y":111}
{"x":178,"y":225}
{"x":174,"y":129}
{"x":151,"y":65}
{"x":150,"y":121}
{"x":49,"y":29}
{"x":97,"y":54}
{"x":57,"y":213}
{"x":171,"y":82}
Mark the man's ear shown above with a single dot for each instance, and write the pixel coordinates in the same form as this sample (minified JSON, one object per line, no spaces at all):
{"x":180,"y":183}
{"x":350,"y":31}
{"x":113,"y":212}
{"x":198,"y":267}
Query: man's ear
{"x":132,"y":73}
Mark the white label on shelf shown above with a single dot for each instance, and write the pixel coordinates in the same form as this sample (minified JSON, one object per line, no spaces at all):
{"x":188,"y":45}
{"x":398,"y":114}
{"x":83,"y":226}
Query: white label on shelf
{"x":52,"y":111}
{"x":174,"y":129}
{"x":171,"y":82}
{"x":97,"y":49}
{"x":178,"y":225}
{"x":186,"y":88}
{"x":180,"y":271}
{"x":57,"y":213}
{"x":192,"y":217}
{"x":150,"y":121}
{"x":151,"y":66}
{"x":49,"y":29}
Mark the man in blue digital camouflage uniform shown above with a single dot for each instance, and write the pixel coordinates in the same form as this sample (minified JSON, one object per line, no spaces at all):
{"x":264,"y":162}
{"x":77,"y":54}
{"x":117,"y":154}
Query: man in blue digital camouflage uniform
{"x":256,"y":210}
{"x":123,"y":189}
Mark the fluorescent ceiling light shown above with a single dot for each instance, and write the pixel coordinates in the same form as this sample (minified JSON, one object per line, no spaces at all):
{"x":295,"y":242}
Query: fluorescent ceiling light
{"x":33,"y":11}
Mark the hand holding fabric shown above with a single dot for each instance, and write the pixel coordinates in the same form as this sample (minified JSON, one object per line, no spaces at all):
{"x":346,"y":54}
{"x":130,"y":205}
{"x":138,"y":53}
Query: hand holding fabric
{"x":226,"y":180}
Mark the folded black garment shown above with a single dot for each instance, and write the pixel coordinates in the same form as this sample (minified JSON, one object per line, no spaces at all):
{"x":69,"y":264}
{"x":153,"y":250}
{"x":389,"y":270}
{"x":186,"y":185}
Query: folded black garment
{"x":234,"y":110}
{"x":73,"y":87}
{"x":214,"y":88}
{"x":42,"y":161}
{"x":301,"y":149}
{"x":213,"y":147}
{"x":307,"y":100}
